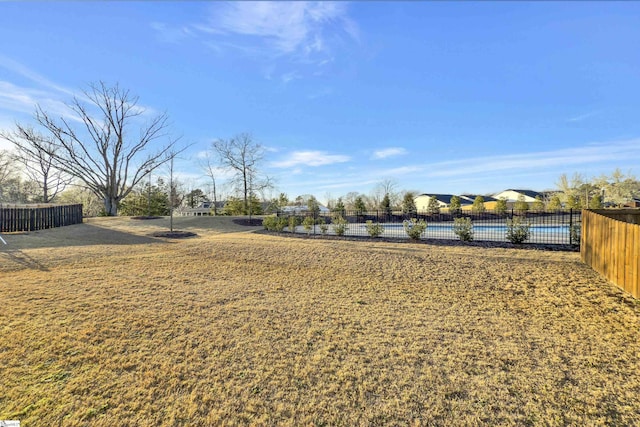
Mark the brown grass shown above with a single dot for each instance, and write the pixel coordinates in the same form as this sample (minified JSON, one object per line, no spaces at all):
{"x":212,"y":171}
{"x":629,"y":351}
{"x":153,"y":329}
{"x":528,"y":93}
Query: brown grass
{"x":253,"y":329}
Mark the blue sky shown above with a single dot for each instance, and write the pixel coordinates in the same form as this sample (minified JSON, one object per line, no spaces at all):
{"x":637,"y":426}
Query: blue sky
{"x":442,"y":97}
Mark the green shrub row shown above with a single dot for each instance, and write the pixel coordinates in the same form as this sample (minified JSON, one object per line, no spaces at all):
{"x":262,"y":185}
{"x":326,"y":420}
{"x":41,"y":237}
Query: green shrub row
{"x":518,"y":231}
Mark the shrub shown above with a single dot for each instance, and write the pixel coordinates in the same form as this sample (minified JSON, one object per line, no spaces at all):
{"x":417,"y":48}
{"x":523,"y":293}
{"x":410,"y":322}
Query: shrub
{"x":374,"y":230}
{"x":308,"y":224}
{"x":517,"y":230}
{"x":293,"y":222}
{"x":323,"y":226}
{"x":414,"y":228}
{"x":463,"y":228}
{"x":274,"y":223}
{"x":339,"y":225}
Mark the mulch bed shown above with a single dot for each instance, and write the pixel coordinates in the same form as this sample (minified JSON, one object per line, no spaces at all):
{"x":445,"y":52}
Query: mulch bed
{"x":174,"y":234}
{"x":434,"y":242}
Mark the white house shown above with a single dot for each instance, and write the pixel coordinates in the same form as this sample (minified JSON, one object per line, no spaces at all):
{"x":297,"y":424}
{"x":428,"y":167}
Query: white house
{"x":512,"y":195}
{"x":444,"y":200}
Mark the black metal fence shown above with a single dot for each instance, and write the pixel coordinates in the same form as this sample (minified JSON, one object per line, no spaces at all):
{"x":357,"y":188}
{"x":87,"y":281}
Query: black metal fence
{"x":560,"y":227}
{"x":38,"y":217}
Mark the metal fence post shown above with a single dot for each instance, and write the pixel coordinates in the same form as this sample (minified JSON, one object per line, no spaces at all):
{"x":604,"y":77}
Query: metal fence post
{"x":570,"y":226}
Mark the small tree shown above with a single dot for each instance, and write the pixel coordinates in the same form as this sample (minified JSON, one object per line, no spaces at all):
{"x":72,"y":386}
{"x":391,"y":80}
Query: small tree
{"x":146,"y":200}
{"x":501,"y":206}
{"x":234,"y":206}
{"x":454,"y":205}
{"x":538,"y":204}
{"x":595,"y":202}
{"x":433,"y":207}
{"x":554,"y":203}
{"x":340,"y":209}
{"x":478,"y":205}
{"x":195,"y":198}
{"x":308,"y":224}
{"x":573,"y":202}
{"x":385,"y":205}
{"x":521,"y":206}
{"x":293,"y":223}
{"x":409,"y":203}
{"x":359,"y":205}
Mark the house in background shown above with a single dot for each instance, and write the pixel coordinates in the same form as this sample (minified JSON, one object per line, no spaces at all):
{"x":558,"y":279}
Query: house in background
{"x":511,"y":196}
{"x":204,"y":209}
{"x":634,"y":203}
{"x":466,"y":201}
{"x":444,"y":200}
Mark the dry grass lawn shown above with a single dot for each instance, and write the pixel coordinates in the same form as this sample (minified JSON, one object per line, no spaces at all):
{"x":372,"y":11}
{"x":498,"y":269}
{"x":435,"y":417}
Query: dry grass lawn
{"x":103,"y":325}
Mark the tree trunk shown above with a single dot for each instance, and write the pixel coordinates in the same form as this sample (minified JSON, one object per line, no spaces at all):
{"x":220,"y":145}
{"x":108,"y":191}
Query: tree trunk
{"x":111,"y":206}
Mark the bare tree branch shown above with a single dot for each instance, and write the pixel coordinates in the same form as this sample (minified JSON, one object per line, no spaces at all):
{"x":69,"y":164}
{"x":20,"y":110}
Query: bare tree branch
{"x":243,"y":156}
{"x":38,"y":164}
{"x":102,"y":153}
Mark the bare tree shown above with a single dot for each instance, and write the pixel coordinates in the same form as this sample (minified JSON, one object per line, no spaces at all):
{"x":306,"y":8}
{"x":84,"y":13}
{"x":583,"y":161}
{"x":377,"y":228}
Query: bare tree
{"x":210,"y":170}
{"x":104,"y":153}
{"x":32,"y":151}
{"x":6,"y":166}
{"x":243,"y":156}
{"x":7,"y":171}
{"x":386,"y":187}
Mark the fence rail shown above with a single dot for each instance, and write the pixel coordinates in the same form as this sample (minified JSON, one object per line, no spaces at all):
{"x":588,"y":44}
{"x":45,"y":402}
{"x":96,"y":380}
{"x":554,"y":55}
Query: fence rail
{"x":560,"y":227}
{"x":611,"y":246}
{"x":37,"y":217}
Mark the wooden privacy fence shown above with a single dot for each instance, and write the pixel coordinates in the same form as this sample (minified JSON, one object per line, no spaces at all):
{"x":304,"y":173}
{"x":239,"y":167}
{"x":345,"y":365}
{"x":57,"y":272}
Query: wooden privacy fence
{"x":38,"y":217}
{"x":611,"y":246}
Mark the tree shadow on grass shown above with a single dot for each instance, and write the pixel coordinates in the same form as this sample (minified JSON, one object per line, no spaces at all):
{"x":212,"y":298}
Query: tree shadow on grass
{"x":20,"y":258}
{"x":72,"y":235}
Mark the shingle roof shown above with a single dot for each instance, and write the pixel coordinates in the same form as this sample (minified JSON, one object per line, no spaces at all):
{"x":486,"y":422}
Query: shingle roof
{"x":530,"y":193}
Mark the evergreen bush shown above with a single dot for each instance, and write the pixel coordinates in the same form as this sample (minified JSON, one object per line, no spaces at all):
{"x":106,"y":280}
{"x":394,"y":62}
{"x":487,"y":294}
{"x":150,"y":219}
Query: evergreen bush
{"x":414,"y":228}
{"x":518,"y":230}
{"x":463,"y":228}
{"x":339,"y":225}
{"x":374,"y":230}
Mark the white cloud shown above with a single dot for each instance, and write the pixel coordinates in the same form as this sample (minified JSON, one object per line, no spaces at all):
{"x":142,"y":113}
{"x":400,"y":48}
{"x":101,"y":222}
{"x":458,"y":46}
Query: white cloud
{"x":171,"y":34}
{"x":310,"y":158}
{"x":388,"y":152}
{"x":592,"y":153}
{"x":286,"y":27}
{"x":23,"y":100}
{"x":582,"y":117}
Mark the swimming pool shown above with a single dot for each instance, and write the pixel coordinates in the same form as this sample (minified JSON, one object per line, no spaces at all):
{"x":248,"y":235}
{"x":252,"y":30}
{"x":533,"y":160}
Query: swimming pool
{"x":486,"y":228}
